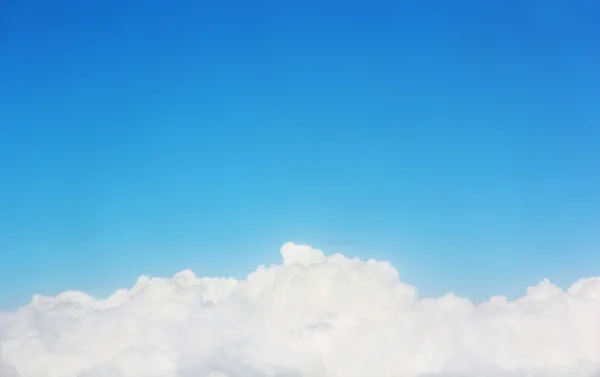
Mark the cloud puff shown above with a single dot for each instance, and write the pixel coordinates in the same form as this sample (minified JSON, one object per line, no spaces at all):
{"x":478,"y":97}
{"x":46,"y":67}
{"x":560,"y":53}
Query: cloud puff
{"x":314,"y":315}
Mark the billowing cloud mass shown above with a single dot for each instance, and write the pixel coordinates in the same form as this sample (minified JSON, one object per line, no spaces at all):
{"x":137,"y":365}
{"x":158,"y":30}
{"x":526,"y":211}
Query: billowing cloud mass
{"x":313,"y":315}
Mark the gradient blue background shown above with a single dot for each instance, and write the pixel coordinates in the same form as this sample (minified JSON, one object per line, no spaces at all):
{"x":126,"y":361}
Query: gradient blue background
{"x":459,"y":140}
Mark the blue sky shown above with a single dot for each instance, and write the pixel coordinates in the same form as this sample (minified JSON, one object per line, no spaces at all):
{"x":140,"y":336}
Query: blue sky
{"x":458,"y":140}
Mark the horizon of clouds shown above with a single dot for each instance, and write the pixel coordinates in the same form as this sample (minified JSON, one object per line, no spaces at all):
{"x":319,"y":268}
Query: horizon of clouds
{"x":312,"y":315}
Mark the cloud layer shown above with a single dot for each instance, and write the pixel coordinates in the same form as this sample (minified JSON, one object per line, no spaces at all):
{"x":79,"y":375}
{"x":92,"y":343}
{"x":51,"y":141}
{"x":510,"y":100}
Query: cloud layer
{"x":313,"y":315}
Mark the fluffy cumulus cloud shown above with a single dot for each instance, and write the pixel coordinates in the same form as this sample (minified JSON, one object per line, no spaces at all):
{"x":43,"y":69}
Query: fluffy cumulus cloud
{"x":313,"y":315}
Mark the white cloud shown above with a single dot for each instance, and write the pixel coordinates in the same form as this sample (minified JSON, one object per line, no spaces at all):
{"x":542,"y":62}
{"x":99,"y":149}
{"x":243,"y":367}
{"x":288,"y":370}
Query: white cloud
{"x":314,"y":315}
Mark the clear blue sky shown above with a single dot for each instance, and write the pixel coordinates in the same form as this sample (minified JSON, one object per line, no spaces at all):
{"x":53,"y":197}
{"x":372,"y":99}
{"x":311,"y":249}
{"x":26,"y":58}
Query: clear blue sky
{"x":459,"y":140}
